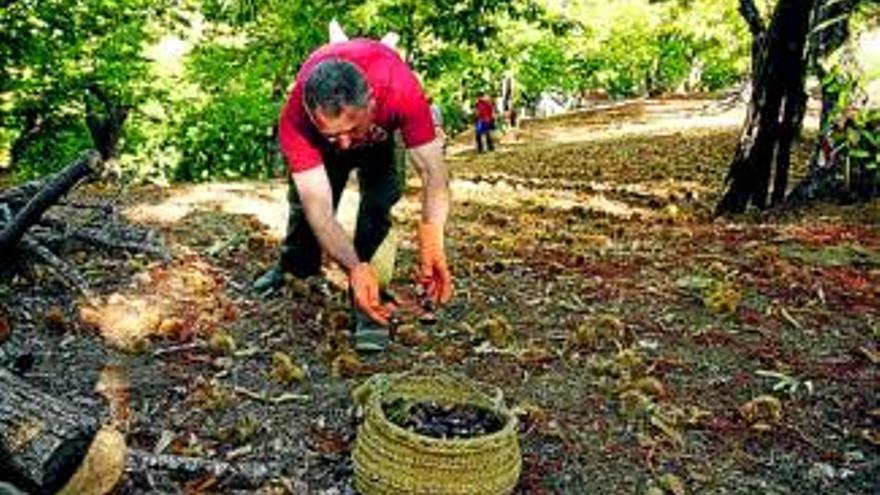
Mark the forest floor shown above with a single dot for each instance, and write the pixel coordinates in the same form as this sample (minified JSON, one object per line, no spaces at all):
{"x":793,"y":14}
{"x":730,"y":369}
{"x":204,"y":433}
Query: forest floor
{"x":649,"y":347}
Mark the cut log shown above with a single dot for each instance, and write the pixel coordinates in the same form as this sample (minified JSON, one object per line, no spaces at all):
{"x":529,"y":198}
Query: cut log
{"x":56,"y":187}
{"x":43,"y":440}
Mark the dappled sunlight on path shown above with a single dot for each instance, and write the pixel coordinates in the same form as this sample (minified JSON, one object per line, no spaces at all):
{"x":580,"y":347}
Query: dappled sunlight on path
{"x":266,"y":201}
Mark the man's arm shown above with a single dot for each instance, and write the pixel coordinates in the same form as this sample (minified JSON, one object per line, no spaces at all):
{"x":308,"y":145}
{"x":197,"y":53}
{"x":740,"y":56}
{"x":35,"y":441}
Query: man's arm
{"x":316,"y":196}
{"x":434,"y":273}
{"x":431,"y":166}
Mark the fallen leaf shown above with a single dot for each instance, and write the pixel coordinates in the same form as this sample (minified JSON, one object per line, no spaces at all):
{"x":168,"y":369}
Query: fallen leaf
{"x":113,"y":385}
{"x":284,"y":370}
{"x":222,"y":342}
{"x":55,"y":319}
{"x":650,"y":386}
{"x":346,"y":365}
{"x":872,"y":355}
{"x":764,"y":410}
{"x":412,"y":335}
{"x":497,"y":330}
{"x":102,"y":467}
{"x":672,"y":484}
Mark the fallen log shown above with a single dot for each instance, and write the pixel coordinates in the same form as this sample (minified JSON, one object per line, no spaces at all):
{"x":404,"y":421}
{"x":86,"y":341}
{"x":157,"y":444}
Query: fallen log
{"x":17,"y":196}
{"x":43,"y":440}
{"x":238,"y":475}
{"x":55,"y":187}
{"x":16,"y":355}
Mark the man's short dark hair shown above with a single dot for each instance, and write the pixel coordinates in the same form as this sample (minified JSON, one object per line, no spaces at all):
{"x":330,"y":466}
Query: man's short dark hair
{"x":334,"y":84}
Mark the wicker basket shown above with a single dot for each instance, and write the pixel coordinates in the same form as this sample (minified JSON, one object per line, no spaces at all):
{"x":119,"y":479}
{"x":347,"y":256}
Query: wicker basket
{"x":391,"y":460}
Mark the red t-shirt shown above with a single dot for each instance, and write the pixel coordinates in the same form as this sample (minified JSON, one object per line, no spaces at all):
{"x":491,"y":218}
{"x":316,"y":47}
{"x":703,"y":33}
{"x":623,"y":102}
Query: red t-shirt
{"x":485,"y":111}
{"x":400,"y":101}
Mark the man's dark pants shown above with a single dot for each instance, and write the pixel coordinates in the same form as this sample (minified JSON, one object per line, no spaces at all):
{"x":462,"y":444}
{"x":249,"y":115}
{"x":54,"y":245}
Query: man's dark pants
{"x":381,"y":178}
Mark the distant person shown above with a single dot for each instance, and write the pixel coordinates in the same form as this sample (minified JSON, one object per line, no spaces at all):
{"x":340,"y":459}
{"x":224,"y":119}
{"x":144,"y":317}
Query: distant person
{"x":437,"y":119}
{"x":348,"y":100}
{"x":485,"y":123}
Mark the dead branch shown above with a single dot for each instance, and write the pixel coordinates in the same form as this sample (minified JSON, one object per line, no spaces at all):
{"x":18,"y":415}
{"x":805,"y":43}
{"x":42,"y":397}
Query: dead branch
{"x":58,"y":185}
{"x":239,"y":474}
{"x":63,"y":270}
{"x":103,"y":240}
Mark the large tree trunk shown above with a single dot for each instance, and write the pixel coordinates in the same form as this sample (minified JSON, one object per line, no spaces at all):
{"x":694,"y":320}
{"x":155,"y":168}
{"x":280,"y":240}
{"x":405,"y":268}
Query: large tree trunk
{"x":770,"y":127}
{"x":43,"y":440}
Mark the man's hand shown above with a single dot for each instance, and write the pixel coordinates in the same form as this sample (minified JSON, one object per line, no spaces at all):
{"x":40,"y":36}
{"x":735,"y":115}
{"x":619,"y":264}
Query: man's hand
{"x":434,"y":273}
{"x":365,"y":290}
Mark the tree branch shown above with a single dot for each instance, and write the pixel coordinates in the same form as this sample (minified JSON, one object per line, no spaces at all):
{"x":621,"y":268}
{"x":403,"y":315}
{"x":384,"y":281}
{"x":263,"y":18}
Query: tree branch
{"x":68,"y":274}
{"x":87,"y":164}
{"x":752,"y":16}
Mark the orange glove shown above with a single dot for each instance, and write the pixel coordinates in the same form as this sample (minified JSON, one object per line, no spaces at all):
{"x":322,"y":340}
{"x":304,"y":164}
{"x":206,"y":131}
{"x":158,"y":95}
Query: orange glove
{"x":365,"y":289}
{"x":434,"y":274}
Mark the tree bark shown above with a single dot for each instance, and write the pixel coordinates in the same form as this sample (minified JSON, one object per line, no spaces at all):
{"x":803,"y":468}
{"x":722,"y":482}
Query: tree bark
{"x":752,"y":16}
{"x":16,"y":197}
{"x":777,"y":93}
{"x":16,"y":355}
{"x":105,"y":117}
{"x":43,"y":440}
{"x":238,"y":475}
{"x":56,"y":187}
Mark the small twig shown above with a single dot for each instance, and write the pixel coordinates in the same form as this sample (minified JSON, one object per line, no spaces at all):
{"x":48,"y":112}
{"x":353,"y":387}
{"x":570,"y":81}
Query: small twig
{"x":263,"y":397}
{"x":189,"y":346}
{"x":790,"y":319}
{"x":249,"y":352}
{"x":66,"y":273}
{"x":239,"y":452}
{"x":220,"y":247}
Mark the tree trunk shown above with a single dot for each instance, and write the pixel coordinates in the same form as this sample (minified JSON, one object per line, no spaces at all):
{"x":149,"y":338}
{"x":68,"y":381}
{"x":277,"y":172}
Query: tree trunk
{"x":43,"y":440}
{"x":34,"y":126}
{"x":56,"y":187}
{"x":105,"y":117}
{"x":752,"y":16}
{"x":777,"y":92}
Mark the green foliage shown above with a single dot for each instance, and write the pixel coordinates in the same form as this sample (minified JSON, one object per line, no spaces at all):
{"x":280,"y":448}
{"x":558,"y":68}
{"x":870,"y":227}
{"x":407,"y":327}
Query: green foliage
{"x":854,"y":130}
{"x":861,"y":136}
{"x":52,"y":52}
{"x":544,"y":68}
{"x":205,"y":79}
{"x":242,"y":71}
{"x":228,"y":138}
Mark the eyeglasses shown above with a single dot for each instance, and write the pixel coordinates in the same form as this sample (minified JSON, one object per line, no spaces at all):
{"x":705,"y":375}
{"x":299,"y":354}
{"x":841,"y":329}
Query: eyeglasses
{"x":373,"y":134}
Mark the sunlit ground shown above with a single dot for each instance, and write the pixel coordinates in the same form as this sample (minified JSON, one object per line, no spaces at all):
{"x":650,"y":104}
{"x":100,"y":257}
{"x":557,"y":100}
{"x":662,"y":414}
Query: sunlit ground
{"x":267,"y":201}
